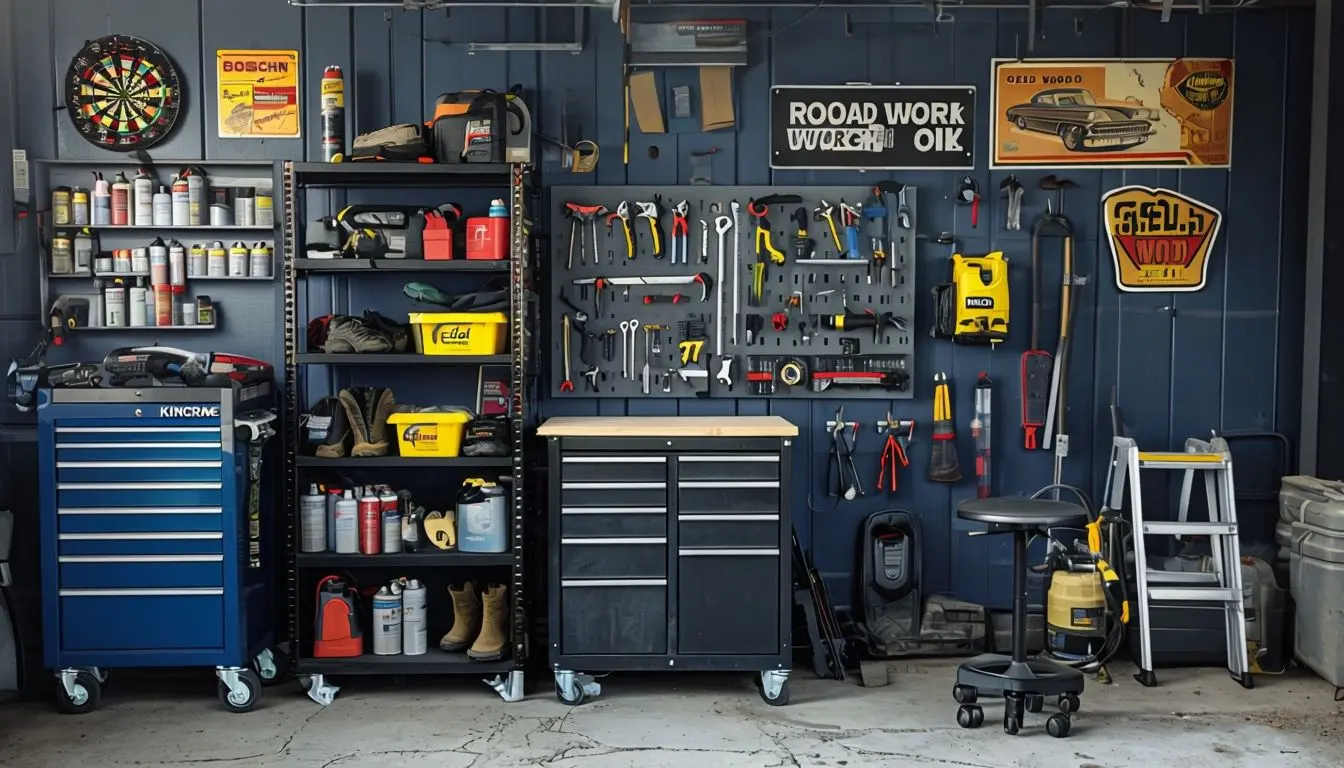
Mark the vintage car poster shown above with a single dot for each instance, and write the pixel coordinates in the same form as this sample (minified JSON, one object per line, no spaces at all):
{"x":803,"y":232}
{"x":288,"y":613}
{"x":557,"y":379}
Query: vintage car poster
{"x":1161,"y":241}
{"x":258,"y":94}
{"x":1108,"y":113}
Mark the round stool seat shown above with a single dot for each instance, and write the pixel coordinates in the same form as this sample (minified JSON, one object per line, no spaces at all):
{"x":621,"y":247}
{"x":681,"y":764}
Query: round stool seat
{"x":1034,"y":513}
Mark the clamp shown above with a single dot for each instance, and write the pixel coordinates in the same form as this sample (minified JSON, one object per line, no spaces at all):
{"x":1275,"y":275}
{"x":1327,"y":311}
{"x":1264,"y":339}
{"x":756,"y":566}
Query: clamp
{"x":623,"y":214}
{"x":895,"y":454}
{"x":680,"y":232}
{"x":651,"y":212}
{"x":847,"y":485}
{"x":826,"y":212}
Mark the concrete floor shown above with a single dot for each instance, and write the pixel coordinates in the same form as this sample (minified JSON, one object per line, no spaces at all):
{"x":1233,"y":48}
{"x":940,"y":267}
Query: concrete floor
{"x":1197,"y":718}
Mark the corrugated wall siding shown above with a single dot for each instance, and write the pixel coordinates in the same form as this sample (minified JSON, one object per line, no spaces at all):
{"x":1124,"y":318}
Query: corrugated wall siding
{"x":1226,"y":358}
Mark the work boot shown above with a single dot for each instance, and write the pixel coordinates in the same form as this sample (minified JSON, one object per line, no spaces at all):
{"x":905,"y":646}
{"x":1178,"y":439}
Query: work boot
{"x":329,"y":429}
{"x":354,"y":416}
{"x":352,"y":334}
{"x":379,"y":404}
{"x":466,"y":618}
{"x":494,"y":636}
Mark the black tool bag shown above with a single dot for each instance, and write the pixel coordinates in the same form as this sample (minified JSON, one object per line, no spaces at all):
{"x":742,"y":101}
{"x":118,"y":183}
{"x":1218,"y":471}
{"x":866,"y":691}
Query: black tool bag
{"x":383,"y":231}
{"x":469,"y":127}
{"x":486,"y":437}
{"x":404,"y":143}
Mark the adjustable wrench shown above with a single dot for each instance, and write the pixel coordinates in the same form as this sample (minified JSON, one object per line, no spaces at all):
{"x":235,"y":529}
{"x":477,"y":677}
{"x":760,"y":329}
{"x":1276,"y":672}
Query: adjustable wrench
{"x":704,"y":242}
{"x":721,"y":225}
{"x":631,"y":327}
{"x":651,"y":212}
{"x":737,"y":269}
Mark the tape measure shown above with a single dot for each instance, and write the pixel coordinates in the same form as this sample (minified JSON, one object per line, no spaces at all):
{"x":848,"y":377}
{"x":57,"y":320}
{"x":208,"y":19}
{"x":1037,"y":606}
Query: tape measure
{"x":791,"y":373}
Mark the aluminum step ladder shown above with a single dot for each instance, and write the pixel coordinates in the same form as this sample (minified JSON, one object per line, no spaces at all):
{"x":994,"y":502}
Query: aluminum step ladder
{"x":1222,"y":585}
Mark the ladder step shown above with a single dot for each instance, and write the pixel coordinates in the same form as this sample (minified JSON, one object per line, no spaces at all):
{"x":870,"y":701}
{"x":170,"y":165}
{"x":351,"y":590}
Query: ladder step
{"x":1180,"y":577}
{"x":1194,"y":594}
{"x":1180,"y":460}
{"x":1190,"y":529}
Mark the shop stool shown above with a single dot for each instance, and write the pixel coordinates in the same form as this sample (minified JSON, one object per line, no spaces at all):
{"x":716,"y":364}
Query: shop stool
{"x":1024,"y":683}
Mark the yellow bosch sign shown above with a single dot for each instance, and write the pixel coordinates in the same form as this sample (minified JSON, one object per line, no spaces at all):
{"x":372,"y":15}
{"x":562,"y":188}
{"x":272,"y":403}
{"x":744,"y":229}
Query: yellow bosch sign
{"x":1161,"y":240}
{"x":258,"y":94}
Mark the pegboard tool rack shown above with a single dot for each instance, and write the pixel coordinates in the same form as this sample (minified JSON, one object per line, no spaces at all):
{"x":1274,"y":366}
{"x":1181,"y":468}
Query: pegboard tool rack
{"x":826,"y":286}
{"x":519,"y":178}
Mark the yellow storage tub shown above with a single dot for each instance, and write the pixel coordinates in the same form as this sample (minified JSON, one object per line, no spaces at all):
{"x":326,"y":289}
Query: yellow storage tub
{"x":428,"y":434}
{"x":460,"y":333}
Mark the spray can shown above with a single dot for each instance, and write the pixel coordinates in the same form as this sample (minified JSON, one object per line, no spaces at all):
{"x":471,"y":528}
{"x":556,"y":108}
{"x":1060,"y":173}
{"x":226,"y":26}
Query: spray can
{"x":140,"y":261}
{"x":370,"y":523}
{"x":79,"y":206}
{"x":197,"y":208}
{"x":347,"y":525}
{"x":238,"y":254}
{"x":142,"y":197}
{"x":333,"y":496}
{"x":121,"y":261}
{"x":414,"y":617}
{"x":387,"y":620}
{"x":121,"y":200}
{"x":265,"y":213}
{"x":62,"y":254}
{"x":83,"y":252}
{"x":410,"y":523}
{"x":136,"y":299}
{"x":158,"y":262}
{"x":61,"y":215}
{"x":217,"y":260}
{"x":312,"y":521}
{"x":333,"y":114}
{"x":150,"y":305}
{"x":102,"y":201}
{"x":114,"y":305}
{"x":177,"y":263}
{"x":387,"y":502}
{"x":181,"y":202}
{"x":259,"y":260}
{"x":162,"y":207}
{"x":196,"y":263}
{"x":163,"y":305}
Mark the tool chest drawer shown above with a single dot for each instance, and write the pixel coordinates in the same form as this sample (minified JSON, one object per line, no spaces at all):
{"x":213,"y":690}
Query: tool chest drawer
{"x":141,"y":619}
{"x":72,"y":495}
{"x":137,"y":471}
{"x":614,"y":616}
{"x":614,"y":558}
{"x":165,"y":543}
{"x":613,"y":466}
{"x":728,"y":466}
{"x":732,"y":496}
{"x":613,"y":494}
{"x":742,"y":620}
{"x":699,"y":531}
{"x":140,"y":571}
{"x":126,"y":520}
{"x":613,"y":522}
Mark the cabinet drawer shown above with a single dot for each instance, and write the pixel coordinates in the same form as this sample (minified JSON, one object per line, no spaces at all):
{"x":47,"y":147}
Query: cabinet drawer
{"x":140,"y":520}
{"x":728,"y":466}
{"x":140,"y":571}
{"x":741,"y":496}
{"x":614,"y":558}
{"x":698,"y":531}
{"x":138,"y":471}
{"x":141,"y":619}
{"x":613,"y":467}
{"x":740,"y":620}
{"x":73,"y":495}
{"x":613,"y":494}
{"x":613,"y":616}
{"x":166,"y":543}
{"x":598,"y":522}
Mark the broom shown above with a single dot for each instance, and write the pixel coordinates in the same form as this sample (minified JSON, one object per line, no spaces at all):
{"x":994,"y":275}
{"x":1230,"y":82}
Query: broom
{"x":944,"y":466}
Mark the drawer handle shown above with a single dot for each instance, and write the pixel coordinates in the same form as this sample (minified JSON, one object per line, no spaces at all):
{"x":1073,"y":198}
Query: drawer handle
{"x":626,"y":540}
{"x":707,"y":518}
{"x":120,"y":446}
{"x":728,"y":552}
{"x":613,"y":510}
{"x":156,"y":536}
{"x":121,"y":430}
{"x":613,"y":582}
{"x":138,"y":486}
{"x":736,"y":458}
{"x":610,"y":486}
{"x":140,"y":511}
{"x":139,"y":464}
{"x":144,"y":592}
{"x":613,"y":459}
{"x":140,"y":559}
{"x":728,"y":485}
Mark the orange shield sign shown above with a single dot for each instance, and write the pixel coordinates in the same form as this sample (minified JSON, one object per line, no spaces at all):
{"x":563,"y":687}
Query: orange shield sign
{"x":1160,"y":240}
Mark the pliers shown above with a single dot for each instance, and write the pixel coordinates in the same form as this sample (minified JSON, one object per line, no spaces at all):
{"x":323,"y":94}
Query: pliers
{"x":847,"y":483}
{"x":652,"y":212}
{"x":893,"y":455}
{"x":681,"y":230}
{"x":623,"y":213}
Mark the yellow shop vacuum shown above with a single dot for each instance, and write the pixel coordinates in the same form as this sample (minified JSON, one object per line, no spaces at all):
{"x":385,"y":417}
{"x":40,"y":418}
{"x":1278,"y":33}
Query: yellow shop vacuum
{"x":973,"y":307}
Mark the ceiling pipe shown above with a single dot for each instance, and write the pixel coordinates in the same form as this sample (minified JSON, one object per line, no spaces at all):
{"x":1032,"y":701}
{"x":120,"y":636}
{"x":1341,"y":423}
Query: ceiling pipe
{"x":1199,"y":6}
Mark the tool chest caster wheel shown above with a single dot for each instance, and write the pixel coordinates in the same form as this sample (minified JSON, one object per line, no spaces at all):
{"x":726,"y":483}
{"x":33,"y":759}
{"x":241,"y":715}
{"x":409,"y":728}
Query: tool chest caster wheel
{"x":970,"y":716}
{"x":774,"y":687}
{"x":271,"y":666}
{"x":1058,"y":726}
{"x":1035,"y":703}
{"x":1011,"y":725}
{"x":573,"y":695}
{"x":1069,"y":703}
{"x":83,"y":695}
{"x":779,"y":699}
{"x":963,"y":694}
{"x":243,"y":697}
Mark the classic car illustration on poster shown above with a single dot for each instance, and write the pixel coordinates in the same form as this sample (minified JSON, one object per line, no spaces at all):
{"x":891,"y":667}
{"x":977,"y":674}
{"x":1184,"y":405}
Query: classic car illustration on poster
{"x":1108,"y":113}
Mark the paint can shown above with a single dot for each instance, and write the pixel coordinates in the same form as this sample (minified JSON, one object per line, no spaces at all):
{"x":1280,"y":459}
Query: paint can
{"x":140,"y":261}
{"x":238,"y":255}
{"x":177,"y":263}
{"x":61,"y":215}
{"x":414,"y":617}
{"x":79,"y":206}
{"x":196,"y":263}
{"x":245,"y":207}
{"x":121,"y":261}
{"x":333,"y":114}
{"x":102,"y":264}
{"x":346,"y":527}
{"x":158,"y":262}
{"x":217,"y":260}
{"x":387,"y":502}
{"x":265,"y":213}
{"x":370,"y":523}
{"x":387,"y":621}
{"x":312,"y":521}
{"x":181,"y":202}
{"x":259,"y":260}
{"x":221,"y":216}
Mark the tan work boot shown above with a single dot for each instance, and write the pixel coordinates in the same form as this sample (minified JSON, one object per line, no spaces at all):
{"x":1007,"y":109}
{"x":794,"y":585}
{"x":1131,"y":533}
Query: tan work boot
{"x":381,"y":404}
{"x":466,"y":618}
{"x":494,"y":637}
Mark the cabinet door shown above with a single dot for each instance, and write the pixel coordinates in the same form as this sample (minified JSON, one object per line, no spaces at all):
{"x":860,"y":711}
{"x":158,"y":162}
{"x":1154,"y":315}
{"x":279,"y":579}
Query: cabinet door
{"x":728,"y":601}
{"x":613,"y":616}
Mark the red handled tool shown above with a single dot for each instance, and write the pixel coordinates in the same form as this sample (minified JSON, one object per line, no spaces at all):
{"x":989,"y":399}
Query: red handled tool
{"x":567,"y":385}
{"x":675,"y":298}
{"x":894,"y":457}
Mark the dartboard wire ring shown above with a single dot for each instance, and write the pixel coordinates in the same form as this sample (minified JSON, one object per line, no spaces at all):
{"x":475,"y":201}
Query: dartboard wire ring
{"x":123,"y":93}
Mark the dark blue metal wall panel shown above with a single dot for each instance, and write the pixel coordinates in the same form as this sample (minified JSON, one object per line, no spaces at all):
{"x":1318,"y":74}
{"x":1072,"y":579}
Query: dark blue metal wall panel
{"x":1180,"y":364}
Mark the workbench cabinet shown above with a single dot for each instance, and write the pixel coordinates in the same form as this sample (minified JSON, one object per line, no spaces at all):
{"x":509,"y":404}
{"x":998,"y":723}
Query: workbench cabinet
{"x":669,"y":544}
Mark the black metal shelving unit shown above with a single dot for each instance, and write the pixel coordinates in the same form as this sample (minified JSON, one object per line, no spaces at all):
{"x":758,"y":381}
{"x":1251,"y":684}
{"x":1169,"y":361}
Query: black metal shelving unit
{"x":296,"y":177}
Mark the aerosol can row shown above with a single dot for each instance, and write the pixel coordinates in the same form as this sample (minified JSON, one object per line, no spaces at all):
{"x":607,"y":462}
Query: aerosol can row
{"x":400,"y":621}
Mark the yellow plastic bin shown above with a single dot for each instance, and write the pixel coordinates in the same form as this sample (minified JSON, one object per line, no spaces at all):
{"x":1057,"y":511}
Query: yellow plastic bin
{"x":460,"y":333}
{"x":429,"y":434}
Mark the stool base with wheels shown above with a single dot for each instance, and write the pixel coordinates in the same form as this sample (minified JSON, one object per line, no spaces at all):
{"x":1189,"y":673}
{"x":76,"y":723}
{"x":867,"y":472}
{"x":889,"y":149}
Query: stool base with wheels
{"x":1023,"y":683}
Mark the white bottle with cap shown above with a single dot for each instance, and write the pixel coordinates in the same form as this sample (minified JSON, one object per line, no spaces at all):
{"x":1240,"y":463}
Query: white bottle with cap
{"x":142,"y":199}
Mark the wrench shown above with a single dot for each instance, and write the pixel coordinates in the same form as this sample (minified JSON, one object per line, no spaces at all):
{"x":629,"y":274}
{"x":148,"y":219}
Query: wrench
{"x":644,"y":374}
{"x":625,"y":356}
{"x":632,"y":329}
{"x":721,"y":225}
{"x":567,"y":385}
{"x":724,"y":376}
{"x":704,"y":242}
{"x":737,"y":269}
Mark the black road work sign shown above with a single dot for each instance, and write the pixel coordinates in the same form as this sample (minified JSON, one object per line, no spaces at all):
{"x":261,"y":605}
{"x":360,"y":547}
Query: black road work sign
{"x":874,"y":127}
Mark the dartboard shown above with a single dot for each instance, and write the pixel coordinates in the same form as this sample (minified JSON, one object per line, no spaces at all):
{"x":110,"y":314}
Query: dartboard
{"x":122,"y":93}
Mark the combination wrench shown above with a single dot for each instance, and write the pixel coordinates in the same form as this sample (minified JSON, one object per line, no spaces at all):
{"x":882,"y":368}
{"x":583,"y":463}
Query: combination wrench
{"x":625,"y":349}
{"x":737,"y":267}
{"x":721,"y":225}
{"x":704,"y":243}
{"x":631,"y":328}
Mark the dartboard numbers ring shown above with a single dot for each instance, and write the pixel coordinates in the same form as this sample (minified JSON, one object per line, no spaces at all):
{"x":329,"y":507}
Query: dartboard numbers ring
{"x":123,"y":93}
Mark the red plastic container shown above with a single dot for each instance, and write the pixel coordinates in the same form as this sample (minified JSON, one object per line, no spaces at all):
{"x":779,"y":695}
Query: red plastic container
{"x":487,"y":238}
{"x":437,"y":237}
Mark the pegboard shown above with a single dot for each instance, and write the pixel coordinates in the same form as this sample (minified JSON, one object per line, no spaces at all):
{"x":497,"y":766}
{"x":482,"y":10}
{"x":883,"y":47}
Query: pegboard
{"x":808,"y":295}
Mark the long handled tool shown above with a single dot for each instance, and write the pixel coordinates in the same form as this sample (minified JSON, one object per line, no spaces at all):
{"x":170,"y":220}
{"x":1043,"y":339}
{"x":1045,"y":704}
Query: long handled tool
{"x":982,"y":432}
{"x":568,"y":384}
{"x":944,"y":465}
{"x":1056,"y":436}
{"x":1036,"y":362}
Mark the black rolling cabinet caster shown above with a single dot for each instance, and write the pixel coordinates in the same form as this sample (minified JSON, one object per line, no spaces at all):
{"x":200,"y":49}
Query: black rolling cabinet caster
{"x":970,"y":716}
{"x":1069,"y":703}
{"x":963,"y":694}
{"x":1058,"y":725}
{"x":1035,"y":703}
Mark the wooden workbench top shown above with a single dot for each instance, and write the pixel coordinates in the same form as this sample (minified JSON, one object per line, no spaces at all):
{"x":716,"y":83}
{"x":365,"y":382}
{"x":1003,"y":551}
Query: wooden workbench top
{"x":667,"y":426}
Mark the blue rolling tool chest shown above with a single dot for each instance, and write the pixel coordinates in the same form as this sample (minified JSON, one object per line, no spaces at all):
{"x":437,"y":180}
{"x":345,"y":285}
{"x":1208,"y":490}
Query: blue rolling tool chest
{"x":158,"y":539}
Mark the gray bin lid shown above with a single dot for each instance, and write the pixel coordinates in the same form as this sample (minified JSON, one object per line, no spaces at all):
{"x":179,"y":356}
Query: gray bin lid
{"x":1307,"y":499}
{"x":1318,"y":543}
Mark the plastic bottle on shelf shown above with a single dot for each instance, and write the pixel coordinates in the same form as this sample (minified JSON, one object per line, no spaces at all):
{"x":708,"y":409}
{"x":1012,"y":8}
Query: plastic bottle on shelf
{"x":121,"y":200}
{"x":143,"y":199}
{"x":181,"y":202}
{"x":163,"y":207}
{"x":102,"y":201}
